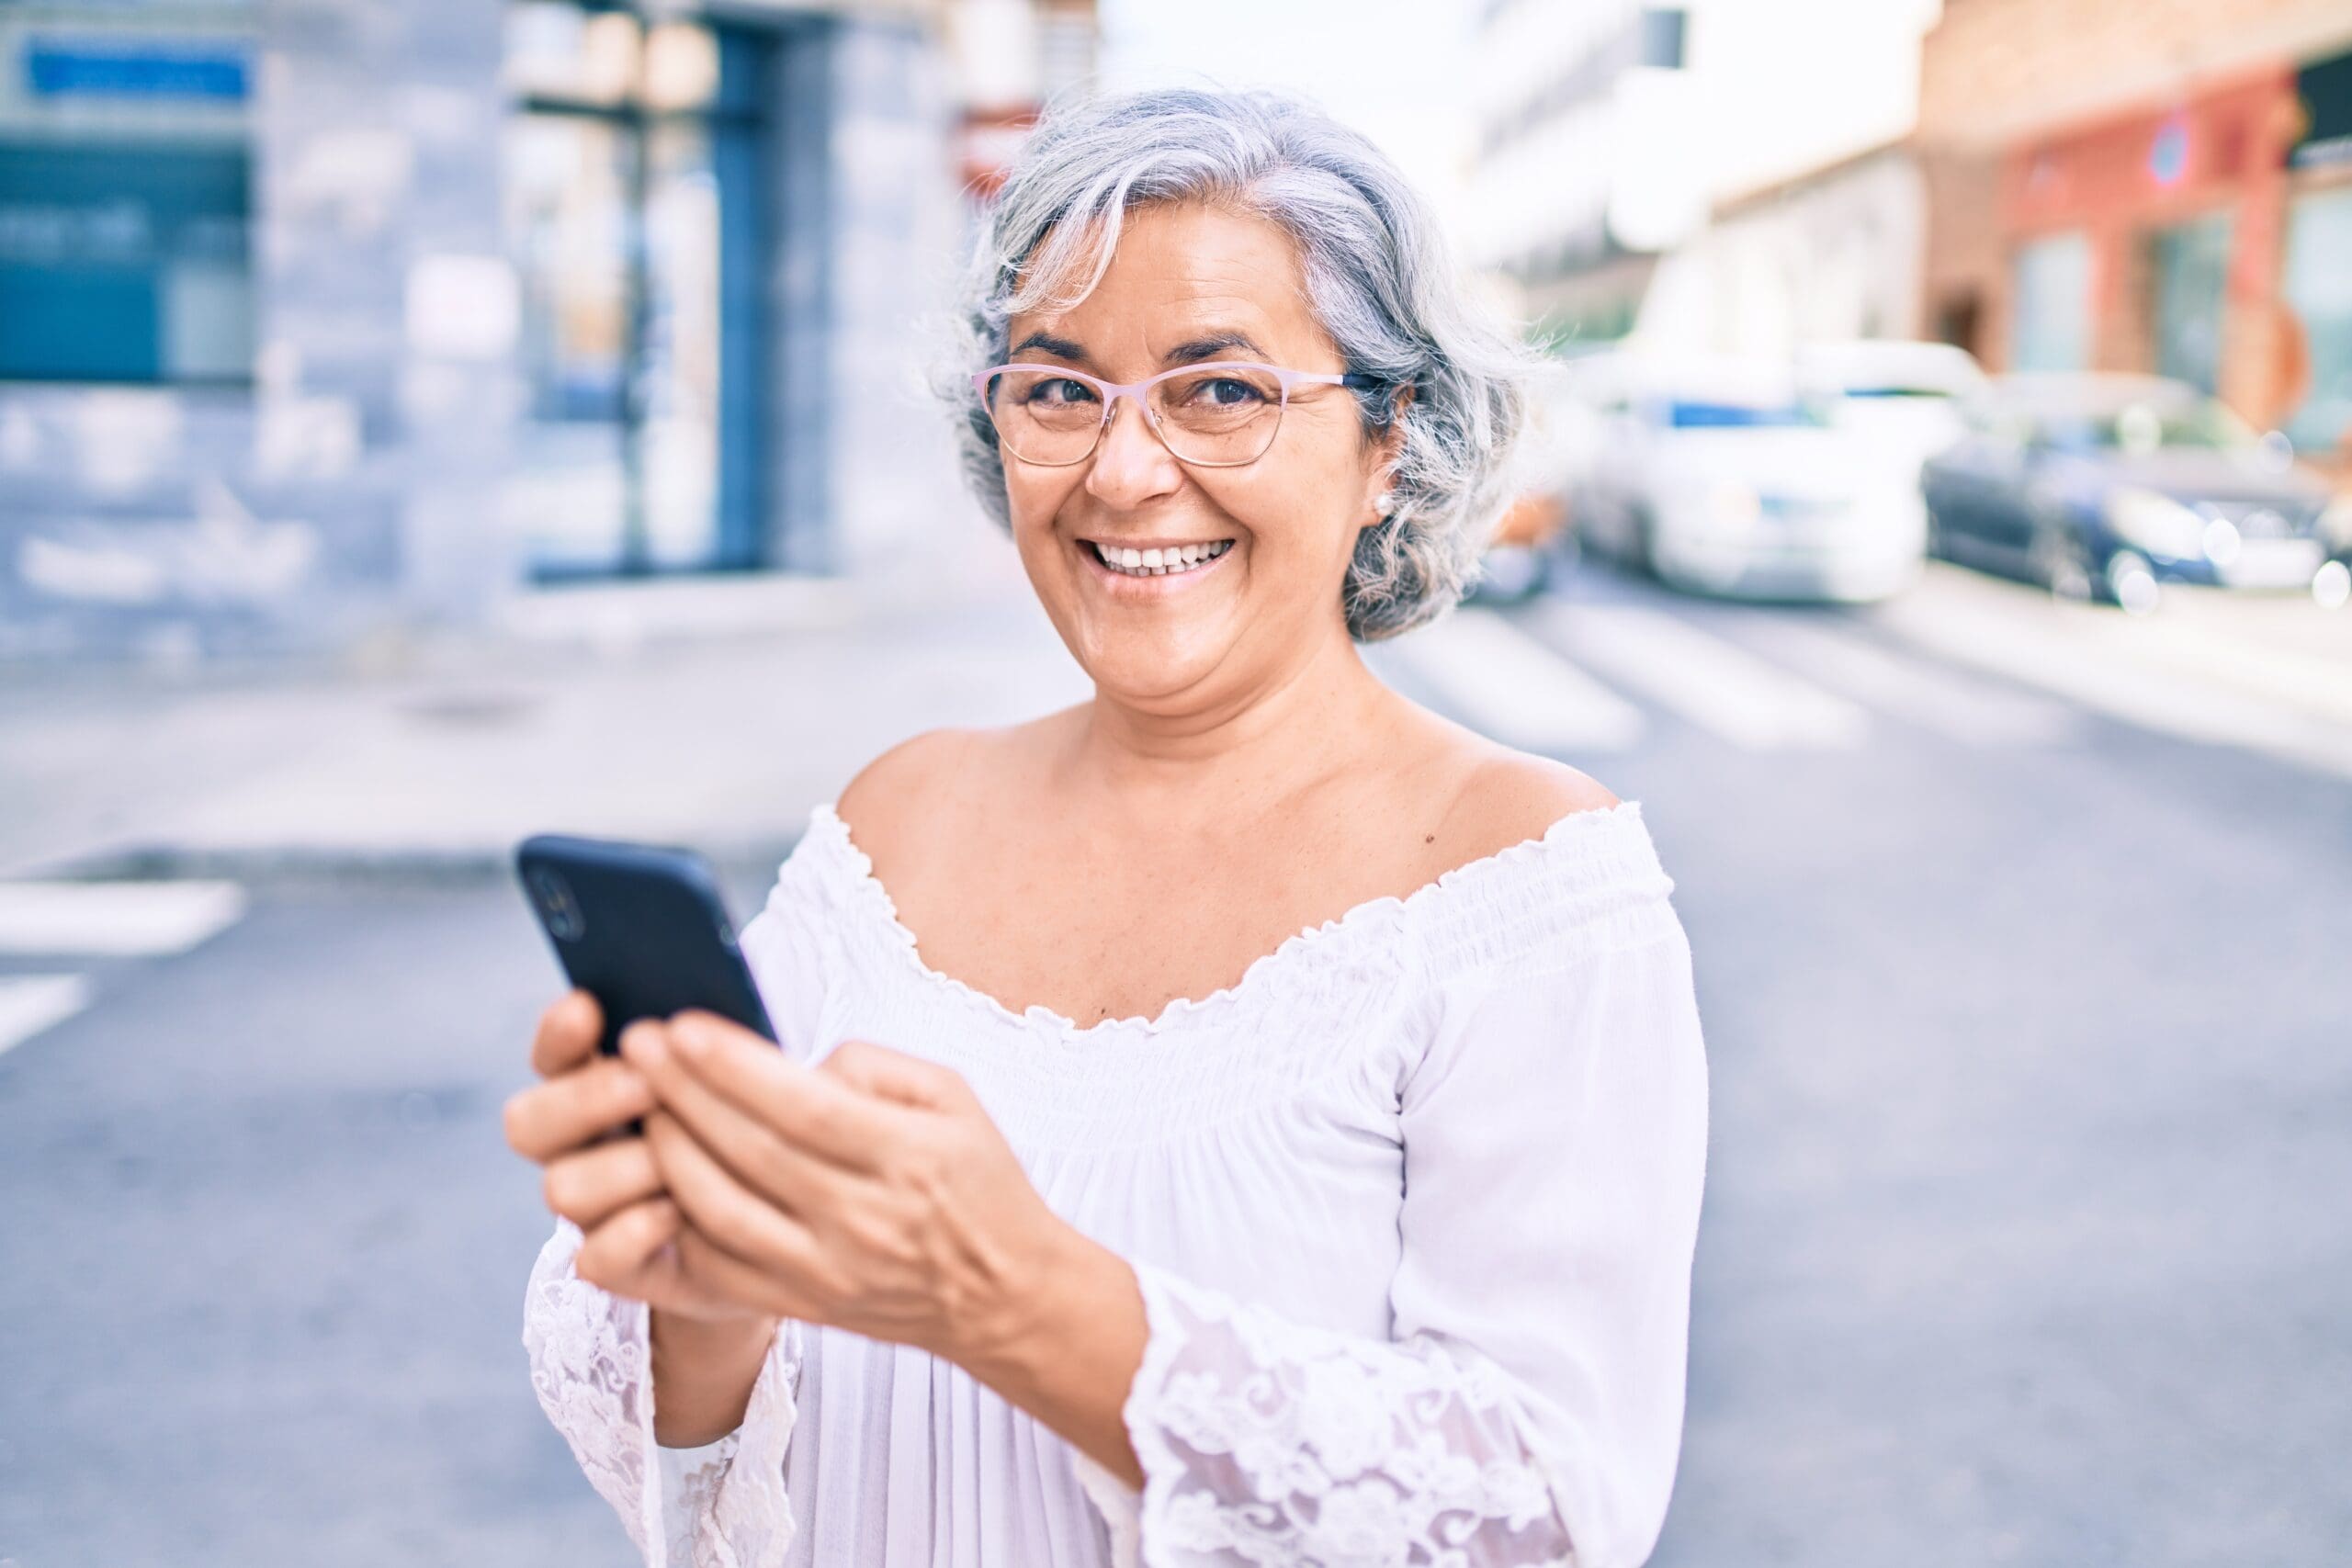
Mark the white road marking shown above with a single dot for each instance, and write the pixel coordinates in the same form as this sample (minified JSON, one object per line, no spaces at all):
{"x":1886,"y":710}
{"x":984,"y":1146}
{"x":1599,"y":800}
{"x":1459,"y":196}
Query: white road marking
{"x":1904,"y":686}
{"x":1707,"y":681}
{"x":2137,"y":671}
{"x":115,"y":918}
{"x":30,"y":1003}
{"x":1510,"y":687}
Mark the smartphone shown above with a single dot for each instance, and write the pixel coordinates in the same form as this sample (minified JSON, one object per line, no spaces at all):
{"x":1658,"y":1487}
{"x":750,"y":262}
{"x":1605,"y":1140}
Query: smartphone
{"x":640,"y":928}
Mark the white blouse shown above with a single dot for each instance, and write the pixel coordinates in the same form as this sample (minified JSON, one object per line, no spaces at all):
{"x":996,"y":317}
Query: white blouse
{"x":1412,"y":1203}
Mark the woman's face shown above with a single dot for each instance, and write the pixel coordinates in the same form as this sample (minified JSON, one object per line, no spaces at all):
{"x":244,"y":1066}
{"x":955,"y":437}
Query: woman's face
{"x":1189,"y":284}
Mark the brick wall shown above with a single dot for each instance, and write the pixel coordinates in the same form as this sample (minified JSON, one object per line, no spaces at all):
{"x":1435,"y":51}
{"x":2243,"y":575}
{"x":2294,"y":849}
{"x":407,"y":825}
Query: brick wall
{"x":1994,"y":70}
{"x":2043,"y":117}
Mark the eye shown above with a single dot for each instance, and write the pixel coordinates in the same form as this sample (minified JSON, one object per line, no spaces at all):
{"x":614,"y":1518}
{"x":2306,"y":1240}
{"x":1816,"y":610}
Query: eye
{"x":1058,"y":390}
{"x":1226,"y":391}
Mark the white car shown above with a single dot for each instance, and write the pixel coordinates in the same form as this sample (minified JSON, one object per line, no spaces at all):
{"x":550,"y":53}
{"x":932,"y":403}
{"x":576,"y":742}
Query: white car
{"x":1908,"y":399}
{"x":1726,"y":477}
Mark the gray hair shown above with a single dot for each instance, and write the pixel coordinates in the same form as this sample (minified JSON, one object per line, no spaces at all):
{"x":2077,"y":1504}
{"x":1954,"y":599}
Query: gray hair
{"x":1380,"y":279}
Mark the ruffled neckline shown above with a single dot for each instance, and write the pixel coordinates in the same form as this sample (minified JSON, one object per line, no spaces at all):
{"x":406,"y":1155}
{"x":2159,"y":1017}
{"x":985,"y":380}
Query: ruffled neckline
{"x":1577,"y":828}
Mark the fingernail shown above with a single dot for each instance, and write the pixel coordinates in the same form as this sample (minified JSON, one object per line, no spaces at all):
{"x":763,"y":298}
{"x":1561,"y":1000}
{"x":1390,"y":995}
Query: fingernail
{"x":689,"y":1041}
{"x":641,"y":1045}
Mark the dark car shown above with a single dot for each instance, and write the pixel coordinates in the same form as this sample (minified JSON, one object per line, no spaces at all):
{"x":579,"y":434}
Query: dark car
{"x":2106,"y":486}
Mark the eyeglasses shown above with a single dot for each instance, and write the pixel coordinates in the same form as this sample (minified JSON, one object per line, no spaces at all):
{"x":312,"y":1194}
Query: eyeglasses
{"x":1219,"y":415}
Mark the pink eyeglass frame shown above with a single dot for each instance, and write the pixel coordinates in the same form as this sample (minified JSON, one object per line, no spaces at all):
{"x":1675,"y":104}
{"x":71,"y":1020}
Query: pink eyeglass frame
{"x":1112,"y":392}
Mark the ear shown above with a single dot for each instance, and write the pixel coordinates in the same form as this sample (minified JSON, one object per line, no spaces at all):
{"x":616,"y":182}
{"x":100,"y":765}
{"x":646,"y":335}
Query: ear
{"x":1390,"y":446}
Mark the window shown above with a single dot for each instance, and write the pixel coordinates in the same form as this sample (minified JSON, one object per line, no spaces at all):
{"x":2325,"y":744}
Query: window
{"x":2050,"y":329}
{"x":125,"y":200}
{"x":124,"y":264}
{"x":2190,"y":262}
{"x":2319,"y":292}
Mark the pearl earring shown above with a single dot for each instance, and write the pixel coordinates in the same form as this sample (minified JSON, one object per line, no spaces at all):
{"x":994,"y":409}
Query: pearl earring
{"x":1384,"y":502}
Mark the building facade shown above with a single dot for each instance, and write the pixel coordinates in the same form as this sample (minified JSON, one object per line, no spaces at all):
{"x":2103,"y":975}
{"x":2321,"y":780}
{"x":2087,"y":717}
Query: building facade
{"x":2161,"y":189}
{"x":1716,"y":176}
{"x":319,"y":315}
{"x":1582,"y":175}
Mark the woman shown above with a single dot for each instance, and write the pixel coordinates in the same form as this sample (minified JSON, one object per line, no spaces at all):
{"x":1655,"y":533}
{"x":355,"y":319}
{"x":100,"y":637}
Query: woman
{"x":1242,"y":1118}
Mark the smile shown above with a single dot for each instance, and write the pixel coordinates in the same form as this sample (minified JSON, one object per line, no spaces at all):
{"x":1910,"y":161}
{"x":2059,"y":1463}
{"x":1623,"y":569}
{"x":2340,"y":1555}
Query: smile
{"x":1171,"y":561}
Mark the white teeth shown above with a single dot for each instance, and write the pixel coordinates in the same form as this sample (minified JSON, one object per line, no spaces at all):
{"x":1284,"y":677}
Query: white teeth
{"x":1160,"y":562}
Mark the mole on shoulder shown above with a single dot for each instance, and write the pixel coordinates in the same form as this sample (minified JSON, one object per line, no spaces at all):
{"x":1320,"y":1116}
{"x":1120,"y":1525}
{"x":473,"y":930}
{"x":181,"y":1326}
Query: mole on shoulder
{"x":1429,"y":837}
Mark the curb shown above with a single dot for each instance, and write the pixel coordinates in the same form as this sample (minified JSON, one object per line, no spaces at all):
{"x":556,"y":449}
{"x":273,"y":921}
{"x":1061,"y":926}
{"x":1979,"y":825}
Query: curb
{"x":324,"y":865}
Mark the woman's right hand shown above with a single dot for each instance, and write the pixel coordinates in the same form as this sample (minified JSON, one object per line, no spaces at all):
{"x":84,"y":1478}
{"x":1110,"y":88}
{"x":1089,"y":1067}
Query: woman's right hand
{"x":606,"y":1185}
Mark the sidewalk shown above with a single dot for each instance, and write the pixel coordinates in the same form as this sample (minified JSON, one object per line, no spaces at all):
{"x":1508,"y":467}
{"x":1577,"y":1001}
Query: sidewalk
{"x":713,"y":712}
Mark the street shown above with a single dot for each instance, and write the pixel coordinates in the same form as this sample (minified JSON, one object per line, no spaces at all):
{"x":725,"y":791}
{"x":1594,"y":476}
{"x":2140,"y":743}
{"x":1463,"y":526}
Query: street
{"x":2022,"y":935}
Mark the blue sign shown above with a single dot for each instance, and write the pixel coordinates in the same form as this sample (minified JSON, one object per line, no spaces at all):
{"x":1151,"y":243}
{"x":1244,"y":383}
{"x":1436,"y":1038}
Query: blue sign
{"x":2169,"y":153}
{"x":135,"y":68}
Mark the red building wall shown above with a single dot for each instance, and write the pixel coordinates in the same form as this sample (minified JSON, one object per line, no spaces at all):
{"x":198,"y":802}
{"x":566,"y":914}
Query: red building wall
{"x":2123,"y":177}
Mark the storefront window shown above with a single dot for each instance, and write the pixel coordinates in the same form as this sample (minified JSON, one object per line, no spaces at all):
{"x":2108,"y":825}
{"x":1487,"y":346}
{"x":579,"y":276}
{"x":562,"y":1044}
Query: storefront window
{"x":2189,"y":264}
{"x":634,"y":205}
{"x":125,"y":201}
{"x":2319,"y":292}
{"x":2050,"y":329}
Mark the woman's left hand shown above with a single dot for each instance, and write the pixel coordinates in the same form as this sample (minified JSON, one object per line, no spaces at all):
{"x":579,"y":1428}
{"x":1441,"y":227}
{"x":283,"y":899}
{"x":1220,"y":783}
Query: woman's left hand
{"x":869,"y":1192}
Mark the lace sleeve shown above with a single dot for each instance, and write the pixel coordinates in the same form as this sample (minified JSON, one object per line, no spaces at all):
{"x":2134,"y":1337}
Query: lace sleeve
{"x":1529,"y":1410}
{"x":720,"y":1506}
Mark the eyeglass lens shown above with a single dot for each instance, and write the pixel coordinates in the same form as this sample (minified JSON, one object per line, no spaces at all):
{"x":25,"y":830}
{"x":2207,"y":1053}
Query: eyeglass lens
{"x":1223,"y":415}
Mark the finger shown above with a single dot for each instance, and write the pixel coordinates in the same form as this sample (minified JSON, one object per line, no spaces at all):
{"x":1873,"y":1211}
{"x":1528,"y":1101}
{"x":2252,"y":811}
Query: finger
{"x":590,"y":1187}
{"x":812,"y":1110}
{"x":714,"y":1269}
{"x":722,"y":1208}
{"x":564,"y":1114}
{"x":615,"y":1250}
{"x":753,"y":1152}
{"x":894,"y":1076}
{"x":567,"y":1033}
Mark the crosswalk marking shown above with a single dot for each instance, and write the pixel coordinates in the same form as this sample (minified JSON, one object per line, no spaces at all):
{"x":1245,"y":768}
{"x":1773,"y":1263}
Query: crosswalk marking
{"x":2073,"y":652}
{"x":1713,"y":683}
{"x":30,"y":1003}
{"x":1908,"y":688}
{"x":1511,"y":688}
{"x":2321,"y":688}
{"x":114,"y":919}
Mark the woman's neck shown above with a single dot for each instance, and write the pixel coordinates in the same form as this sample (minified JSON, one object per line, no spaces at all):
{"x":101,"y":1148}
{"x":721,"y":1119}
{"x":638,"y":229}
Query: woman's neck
{"x":1246,"y":753}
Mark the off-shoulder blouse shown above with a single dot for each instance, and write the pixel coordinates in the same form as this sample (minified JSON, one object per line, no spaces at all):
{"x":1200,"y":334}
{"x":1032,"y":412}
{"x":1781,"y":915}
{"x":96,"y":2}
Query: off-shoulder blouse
{"x":1412,"y":1205}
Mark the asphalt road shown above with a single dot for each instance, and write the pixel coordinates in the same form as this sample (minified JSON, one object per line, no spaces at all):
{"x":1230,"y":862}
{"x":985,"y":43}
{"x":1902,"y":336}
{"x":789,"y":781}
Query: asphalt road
{"x":2022,"y":944}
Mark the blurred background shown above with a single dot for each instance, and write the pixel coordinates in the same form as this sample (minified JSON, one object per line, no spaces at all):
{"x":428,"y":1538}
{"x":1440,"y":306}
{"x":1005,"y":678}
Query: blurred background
{"x":425,"y":425}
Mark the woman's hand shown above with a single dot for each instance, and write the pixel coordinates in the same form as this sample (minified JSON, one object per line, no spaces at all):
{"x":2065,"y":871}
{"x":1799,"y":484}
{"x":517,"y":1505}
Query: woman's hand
{"x":870,"y":1192}
{"x":607,"y":1186}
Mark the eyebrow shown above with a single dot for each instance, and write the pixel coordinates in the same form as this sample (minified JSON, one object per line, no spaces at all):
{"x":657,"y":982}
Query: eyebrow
{"x":1059,"y":347}
{"x":1188,"y":352}
{"x":1212,"y":345}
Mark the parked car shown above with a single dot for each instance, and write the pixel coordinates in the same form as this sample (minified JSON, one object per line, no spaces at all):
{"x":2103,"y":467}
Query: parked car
{"x":1726,"y":477}
{"x":1908,"y":399}
{"x":1533,"y":533}
{"x":1519,"y":560}
{"x":2105,"y":487}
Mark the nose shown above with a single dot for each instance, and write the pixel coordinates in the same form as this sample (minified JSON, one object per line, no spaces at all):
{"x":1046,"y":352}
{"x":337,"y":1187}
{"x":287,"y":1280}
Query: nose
{"x":1130,"y":465}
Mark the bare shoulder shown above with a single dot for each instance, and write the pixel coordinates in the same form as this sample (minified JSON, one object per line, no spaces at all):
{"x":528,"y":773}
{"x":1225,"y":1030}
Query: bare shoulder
{"x":1510,"y":796}
{"x":924,"y":794}
{"x":903,"y":787}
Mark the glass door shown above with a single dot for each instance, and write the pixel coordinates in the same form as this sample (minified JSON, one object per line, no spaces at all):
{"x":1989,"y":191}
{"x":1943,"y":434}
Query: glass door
{"x":2190,"y":262}
{"x":632,"y":181}
{"x":2050,"y":323}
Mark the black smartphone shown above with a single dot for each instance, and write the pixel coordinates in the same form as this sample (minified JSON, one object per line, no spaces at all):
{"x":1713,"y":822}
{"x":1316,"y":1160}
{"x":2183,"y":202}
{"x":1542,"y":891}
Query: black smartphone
{"x":642,"y":929}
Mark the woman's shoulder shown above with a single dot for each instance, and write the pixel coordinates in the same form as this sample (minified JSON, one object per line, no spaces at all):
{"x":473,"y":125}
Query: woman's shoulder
{"x":1534,"y":862}
{"x":1507,"y":797}
{"x":915,"y":803}
{"x":897,"y":791}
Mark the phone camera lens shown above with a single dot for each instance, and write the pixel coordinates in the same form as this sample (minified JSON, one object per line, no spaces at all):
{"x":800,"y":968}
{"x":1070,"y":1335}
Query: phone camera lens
{"x":555,"y":902}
